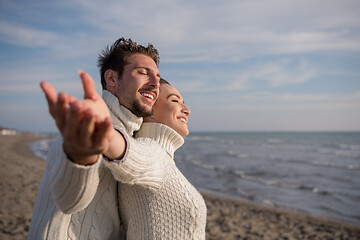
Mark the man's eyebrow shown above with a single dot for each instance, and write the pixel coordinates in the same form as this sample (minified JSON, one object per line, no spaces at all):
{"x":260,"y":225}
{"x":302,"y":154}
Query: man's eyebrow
{"x":148,"y":69}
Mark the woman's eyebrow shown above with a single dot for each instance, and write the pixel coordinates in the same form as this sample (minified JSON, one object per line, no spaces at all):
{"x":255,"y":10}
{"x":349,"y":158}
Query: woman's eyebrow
{"x":173,"y":94}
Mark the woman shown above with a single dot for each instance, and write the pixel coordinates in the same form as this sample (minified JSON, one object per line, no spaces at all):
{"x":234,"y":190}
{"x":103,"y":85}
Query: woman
{"x":175,"y":210}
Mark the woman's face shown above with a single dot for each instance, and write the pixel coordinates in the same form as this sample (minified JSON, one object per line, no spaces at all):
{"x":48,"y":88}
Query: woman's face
{"x":169,"y":109}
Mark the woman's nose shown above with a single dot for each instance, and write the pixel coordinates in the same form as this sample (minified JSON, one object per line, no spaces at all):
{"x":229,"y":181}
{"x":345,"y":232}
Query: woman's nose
{"x":186,"y":110}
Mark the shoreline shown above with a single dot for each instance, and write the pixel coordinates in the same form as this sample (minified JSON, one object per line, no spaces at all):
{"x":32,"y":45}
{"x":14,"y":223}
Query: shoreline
{"x":228,"y":218}
{"x":229,"y":197}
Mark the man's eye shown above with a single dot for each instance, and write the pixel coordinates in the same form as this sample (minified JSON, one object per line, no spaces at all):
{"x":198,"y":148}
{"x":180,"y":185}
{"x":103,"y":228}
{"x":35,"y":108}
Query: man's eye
{"x":174,"y":100}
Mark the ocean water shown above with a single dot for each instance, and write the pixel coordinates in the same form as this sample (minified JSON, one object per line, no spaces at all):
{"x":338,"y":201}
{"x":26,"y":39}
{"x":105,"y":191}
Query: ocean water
{"x":316,"y":173}
{"x":312,"y":172}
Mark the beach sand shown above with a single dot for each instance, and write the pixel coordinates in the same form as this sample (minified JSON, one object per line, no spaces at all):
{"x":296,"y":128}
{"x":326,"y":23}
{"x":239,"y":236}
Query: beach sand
{"x":21,"y":173}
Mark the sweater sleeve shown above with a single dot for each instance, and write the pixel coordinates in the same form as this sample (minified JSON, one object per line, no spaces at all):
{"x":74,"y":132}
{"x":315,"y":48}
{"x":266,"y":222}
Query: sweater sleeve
{"x":145,"y":163}
{"x":72,"y":186}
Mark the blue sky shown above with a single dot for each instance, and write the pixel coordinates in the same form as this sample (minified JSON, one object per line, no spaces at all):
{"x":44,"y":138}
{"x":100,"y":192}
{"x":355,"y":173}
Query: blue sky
{"x":240,"y":65}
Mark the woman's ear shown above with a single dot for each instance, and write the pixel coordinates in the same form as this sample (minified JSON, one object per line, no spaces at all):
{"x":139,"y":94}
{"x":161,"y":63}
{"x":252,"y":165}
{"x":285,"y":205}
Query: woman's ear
{"x":110,"y":78}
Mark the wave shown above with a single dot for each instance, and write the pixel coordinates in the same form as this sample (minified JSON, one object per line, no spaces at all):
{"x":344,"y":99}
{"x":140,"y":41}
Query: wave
{"x":238,"y":155}
{"x":245,"y":194}
{"x":209,"y":139}
{"x":201,"y":138}
{"x":285,"y":147}
{"x":201,"y":164}
{"x":336,"y":165}
{"x":40,"y":148}
{"x":318,"y":163}
{"x":258,"y":177}
{"x":349,"y":147}
{"x":353,"y":147}
{"x":274,"y":140}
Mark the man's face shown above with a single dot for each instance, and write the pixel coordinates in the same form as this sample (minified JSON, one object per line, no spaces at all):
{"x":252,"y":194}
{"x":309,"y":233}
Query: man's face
{"x":138,"y":87}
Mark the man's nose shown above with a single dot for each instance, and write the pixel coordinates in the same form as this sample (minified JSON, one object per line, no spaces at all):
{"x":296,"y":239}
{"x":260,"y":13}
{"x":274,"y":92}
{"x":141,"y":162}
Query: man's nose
{"x":154,"y":80}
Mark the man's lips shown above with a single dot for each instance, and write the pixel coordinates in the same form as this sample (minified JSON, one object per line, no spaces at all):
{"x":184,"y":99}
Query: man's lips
{"x":149,"y":95}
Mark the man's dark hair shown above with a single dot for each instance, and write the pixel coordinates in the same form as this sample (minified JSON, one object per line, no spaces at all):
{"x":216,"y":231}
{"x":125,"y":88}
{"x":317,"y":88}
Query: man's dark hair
{"x":119,"y":54}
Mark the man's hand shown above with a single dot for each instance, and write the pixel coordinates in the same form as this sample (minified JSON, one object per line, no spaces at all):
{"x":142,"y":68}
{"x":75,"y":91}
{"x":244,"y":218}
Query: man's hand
{"x":84,"y":124}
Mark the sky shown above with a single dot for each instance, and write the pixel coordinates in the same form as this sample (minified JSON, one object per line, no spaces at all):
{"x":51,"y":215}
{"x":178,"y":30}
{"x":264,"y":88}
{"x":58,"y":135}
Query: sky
{"x":240,"y":65}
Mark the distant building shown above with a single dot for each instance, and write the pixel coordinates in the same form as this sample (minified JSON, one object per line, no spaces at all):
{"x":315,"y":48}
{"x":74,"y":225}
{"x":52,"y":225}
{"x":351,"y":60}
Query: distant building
{"x":6,"y":131}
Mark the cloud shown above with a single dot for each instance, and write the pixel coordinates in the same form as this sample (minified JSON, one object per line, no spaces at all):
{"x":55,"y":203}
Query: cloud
{"x":28,"y":79}
{"x":13,"y":33}
{"x":295,"y":107}
{"x":285,"y":97}
{"x":200,"y":31}
{"x":231,"y":30}
{"x":267,"y":101}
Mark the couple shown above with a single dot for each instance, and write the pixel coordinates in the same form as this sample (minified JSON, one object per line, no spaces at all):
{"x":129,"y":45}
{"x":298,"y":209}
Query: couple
{"x":109,"y":175}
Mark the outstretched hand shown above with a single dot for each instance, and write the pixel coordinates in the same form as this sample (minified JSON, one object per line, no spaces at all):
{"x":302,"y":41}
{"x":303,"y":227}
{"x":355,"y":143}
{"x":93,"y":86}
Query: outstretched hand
{"x":85,"y":125}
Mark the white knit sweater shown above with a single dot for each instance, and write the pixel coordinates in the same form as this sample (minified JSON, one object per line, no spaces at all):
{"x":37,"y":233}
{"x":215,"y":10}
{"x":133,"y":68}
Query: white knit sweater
{"x":155,"y":200}
{"x":174,"y":210}
{"x":79,"y":202}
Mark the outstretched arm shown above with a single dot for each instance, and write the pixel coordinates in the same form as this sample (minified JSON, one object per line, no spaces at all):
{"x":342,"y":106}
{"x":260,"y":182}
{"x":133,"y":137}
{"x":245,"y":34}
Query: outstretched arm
{"x":86,"y":132}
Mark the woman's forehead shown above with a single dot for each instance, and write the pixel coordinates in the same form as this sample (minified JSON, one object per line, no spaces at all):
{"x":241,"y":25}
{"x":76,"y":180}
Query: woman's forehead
{"x":167,"y":90}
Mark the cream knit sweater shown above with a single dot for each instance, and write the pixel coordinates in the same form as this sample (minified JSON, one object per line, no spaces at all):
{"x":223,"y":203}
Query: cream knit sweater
{"x":155,"y":200}
{"x":80,"y":202}
{"x":175,"y":210}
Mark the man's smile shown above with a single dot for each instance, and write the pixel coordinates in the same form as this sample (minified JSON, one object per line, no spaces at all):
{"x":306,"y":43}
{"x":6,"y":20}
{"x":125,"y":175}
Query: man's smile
{"x":150,"y":96}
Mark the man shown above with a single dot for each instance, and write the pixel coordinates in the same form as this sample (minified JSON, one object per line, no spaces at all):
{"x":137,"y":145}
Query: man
{"x":77,"y":198}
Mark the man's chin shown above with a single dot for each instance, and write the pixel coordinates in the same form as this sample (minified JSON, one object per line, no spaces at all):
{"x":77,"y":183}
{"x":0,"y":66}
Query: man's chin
{"x":141,"y":111}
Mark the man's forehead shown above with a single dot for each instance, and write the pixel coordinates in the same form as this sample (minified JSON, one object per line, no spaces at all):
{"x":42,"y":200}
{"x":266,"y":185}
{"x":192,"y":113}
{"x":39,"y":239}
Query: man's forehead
{"x":139,"y":58}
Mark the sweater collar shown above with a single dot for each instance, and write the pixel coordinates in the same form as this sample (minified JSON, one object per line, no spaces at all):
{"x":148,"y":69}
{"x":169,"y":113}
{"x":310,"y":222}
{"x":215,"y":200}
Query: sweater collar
{"x":121,"y":115}
{"x":167,"y":137}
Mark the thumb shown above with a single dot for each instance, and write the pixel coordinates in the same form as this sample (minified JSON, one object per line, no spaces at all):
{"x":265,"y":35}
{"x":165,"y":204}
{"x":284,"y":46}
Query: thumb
{"x":88,"y":85}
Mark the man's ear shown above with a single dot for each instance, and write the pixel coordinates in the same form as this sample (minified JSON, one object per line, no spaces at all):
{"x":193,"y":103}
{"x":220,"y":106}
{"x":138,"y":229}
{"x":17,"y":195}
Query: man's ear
{"x":110,"y":78}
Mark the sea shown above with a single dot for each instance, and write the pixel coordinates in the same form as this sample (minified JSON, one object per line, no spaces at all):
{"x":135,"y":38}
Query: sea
{"x":317,"y":173}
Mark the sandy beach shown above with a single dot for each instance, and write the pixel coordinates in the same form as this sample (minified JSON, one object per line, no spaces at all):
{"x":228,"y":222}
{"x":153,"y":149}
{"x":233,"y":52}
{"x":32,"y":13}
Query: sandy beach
{"x":21,"y":173}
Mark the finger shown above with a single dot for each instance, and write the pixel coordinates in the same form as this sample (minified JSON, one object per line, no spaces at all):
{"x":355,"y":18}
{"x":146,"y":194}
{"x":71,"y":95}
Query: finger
{"x":60,"y":110}
{"x":71,"y":99}
{"x":88,"y":85}
{"x":72,"y":122}
{"x":87,"y":128}
{"x":51,"y":96}
{"x":103,"y":133}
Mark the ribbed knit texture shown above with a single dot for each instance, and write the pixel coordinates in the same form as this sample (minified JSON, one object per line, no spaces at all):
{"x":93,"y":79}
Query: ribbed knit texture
{"x":79,"y":202}
{"x":137,"y":166}
{"x":69,"y":204}
{"x":156,"y":200}
{"x":121,"y":117}
{"x":172,"y":210}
